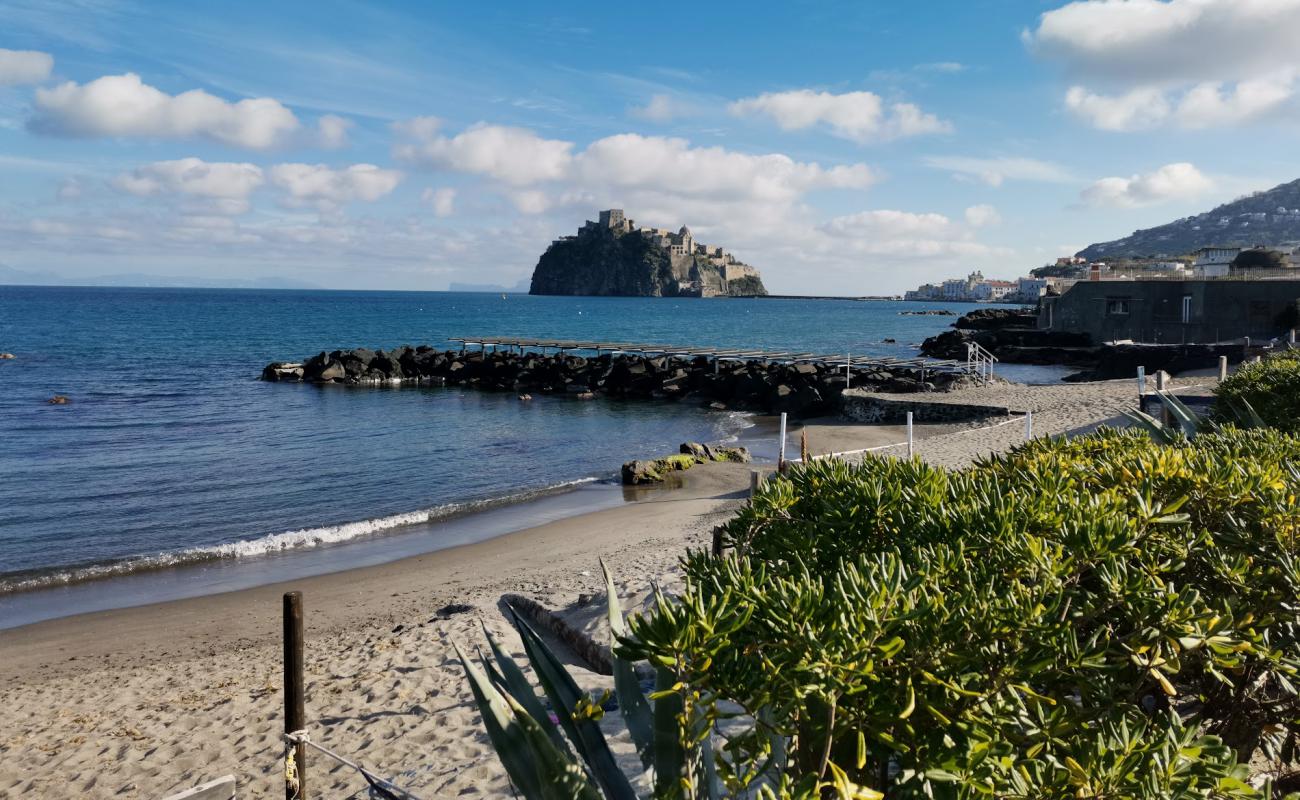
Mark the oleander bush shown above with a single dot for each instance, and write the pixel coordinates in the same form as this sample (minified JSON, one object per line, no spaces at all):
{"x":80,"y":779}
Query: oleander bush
{"x":1102,"y":617}
{"x":1271,"y":387}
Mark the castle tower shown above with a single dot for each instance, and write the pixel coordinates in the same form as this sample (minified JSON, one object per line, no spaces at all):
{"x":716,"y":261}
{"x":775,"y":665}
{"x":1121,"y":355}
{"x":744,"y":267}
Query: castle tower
{"x":688,"y":241}
{"x":613,"y":218}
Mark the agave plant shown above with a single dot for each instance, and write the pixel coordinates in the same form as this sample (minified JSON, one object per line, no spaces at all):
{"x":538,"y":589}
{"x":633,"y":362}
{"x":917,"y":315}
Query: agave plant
{"x":539,"y":755}
{"x":1186,"y":424}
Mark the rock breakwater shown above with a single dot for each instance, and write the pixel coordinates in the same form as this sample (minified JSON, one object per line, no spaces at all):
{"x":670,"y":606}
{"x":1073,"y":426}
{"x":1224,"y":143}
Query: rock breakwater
{"x":801,"y":389}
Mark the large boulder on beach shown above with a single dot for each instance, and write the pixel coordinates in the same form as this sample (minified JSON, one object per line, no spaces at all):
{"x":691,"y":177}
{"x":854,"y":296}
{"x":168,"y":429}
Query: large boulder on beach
{"x":703,"y":453}
{"x":640,"y":472}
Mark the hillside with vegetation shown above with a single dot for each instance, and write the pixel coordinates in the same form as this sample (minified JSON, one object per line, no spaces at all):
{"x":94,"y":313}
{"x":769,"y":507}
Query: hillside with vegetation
{"x":1270,"y":218}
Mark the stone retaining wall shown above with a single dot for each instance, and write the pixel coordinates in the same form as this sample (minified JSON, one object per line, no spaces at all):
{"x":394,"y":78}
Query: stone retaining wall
{"x":858,"y":405}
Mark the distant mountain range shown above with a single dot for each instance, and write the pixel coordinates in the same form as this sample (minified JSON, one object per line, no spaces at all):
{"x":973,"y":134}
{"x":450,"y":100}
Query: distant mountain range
{"x":1267,"y":218}
{"x":17,"y":277}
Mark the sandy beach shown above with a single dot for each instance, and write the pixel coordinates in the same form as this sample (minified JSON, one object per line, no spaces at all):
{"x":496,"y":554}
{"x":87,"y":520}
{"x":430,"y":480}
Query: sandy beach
{"x":145,"y":701}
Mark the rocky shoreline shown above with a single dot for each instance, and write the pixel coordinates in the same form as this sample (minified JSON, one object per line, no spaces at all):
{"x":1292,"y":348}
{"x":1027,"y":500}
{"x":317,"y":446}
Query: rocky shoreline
{"x":802,"y":390}
{"x":1014,"y":338}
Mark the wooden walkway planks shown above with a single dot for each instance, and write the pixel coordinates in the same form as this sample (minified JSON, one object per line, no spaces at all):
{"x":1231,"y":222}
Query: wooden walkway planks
{"x":719,"y":353}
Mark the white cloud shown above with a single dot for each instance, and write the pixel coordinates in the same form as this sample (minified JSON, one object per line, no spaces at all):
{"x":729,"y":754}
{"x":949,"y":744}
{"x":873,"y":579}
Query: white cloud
{"x":70,"y":189}
{"x":660,"y":108}
{"x":1135,"y":110}
{"x":1208,"y":104}
{"x":949,"y":67}
{"x":898,"y":235}
{"x":982,"y":216}
{"x":671,"y":165}
{"x":624,"y":163}
{"x":20,"y":67}
{"x":890,"y":223}
{"x":123,"y":105}
{"x":442,"y":201}
{"x":418,"y":128}
{"x":1170,"y":182}
{"x":515,"y":156}
{"x":332,"y":131}
{"x":1194,"y":63}
{"x":995,"y":171}
{"x":326,"y":189}
{"x":192,"y":176}
{"x":858,"y":116}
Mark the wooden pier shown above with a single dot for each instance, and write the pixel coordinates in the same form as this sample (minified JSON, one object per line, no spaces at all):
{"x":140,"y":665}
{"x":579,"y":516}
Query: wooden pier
{"x":717,"y":355}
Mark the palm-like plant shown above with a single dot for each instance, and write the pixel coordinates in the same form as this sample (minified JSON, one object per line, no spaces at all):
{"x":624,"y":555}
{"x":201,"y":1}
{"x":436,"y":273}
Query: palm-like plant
{"x":539,"y":755}
{"x":1186,"y":424}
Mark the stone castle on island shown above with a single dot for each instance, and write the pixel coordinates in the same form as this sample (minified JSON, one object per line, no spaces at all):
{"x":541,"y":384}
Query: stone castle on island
{"x":612,"y":256}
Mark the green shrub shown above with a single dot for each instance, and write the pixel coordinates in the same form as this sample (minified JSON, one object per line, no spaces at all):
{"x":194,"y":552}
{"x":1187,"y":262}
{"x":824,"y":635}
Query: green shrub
{"x":1099,"y":617}
{"x":1271,"y":387}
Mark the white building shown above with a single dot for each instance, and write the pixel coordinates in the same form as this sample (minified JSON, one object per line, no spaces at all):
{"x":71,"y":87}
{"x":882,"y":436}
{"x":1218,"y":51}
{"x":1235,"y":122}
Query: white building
{"x":1214,"y":262}
{"x":1030,"y":289}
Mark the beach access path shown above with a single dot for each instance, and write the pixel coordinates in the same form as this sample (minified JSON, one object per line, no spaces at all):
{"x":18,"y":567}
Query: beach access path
{"x":144,"y":701}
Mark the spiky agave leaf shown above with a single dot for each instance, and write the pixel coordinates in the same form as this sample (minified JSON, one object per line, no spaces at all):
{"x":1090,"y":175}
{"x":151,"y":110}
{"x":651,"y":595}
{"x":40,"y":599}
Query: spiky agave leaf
{"x":565,"y":695}
{"x":632,"y":703}
{"x":535,"y":766}
{"x":518,"y":687}
{"x":669,"y":755}
{"x":1152,"y":426}
{"x":1186,"y":418}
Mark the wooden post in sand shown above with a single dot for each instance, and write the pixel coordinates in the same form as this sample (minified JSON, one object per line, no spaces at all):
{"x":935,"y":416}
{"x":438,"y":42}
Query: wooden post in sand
{"x":780,"y":459}
{"x":1223,"y":368}
{"x":295,"y":702}
{"x":909,"y":435}
{"x":755,"y":481}
{"x":848,"y":368}
{"x":1029,"y":425}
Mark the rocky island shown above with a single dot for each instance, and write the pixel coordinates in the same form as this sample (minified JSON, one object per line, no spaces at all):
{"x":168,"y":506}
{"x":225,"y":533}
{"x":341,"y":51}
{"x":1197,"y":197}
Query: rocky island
{"x":614,"y":257}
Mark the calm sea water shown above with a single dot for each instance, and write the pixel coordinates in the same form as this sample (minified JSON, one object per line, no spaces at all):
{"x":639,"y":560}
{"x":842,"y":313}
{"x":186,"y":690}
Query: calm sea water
{"x":171,"y":451}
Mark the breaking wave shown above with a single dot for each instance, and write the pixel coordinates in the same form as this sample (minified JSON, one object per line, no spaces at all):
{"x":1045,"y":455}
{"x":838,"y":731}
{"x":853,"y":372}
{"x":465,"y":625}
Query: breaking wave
{"x":270,"y":544}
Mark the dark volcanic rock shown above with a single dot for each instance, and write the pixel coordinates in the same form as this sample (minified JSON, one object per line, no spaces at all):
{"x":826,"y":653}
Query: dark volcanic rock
{"x":802,"y":390}
{"x":604,"y":263}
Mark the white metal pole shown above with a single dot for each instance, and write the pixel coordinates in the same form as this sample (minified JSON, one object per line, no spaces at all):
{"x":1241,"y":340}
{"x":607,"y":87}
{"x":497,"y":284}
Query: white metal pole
{"x":1029,"y":425}
{"x":1142,"y":381}
{"x":780,"y":460}
{"x":848,"y":369}
{"x":910,"y":449}
{"x":1223,"y":368}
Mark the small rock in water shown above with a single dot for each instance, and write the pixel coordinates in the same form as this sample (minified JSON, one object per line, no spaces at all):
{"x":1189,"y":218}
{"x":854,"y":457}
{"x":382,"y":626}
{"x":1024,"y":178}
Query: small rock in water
{"x":525,"y":397}
{"x":586,"y":396}
{"x":7,"y":356}
{"x":58,"y":400}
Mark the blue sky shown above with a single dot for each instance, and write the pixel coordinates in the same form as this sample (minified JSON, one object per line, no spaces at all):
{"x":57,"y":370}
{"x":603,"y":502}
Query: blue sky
{"x":847,"y":148}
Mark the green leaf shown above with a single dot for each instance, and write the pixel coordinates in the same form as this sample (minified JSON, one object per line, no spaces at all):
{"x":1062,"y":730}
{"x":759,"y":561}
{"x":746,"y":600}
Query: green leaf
{"x":632,"y":703}
{"x":535,"y":766}
{"x":669,"y":757}
{"x":522,"y":691}
{"x":565,"y":695}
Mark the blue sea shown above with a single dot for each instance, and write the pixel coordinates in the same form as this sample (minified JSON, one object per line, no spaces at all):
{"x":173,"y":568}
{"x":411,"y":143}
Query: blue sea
{"x":174,"y":471}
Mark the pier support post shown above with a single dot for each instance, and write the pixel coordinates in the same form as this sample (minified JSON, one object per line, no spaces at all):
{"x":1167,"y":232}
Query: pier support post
{"x":910,"y":449}
{"x":1223,"y":368}
{"x":295,"y":701}
{"x":780,"y":459}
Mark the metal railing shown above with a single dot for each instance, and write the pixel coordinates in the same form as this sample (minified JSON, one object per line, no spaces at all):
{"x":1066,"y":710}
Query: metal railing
{"x":979,"y":362}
